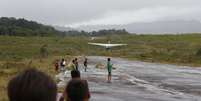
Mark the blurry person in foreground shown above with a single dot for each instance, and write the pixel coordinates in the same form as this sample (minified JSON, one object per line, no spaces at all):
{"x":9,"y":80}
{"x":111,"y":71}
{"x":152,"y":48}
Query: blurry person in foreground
{"x":76,"y":89}
{"x":32,"y":85}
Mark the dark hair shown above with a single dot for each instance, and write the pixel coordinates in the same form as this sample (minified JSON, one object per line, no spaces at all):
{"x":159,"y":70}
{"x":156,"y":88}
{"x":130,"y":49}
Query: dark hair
{"x":73,"y":61}
{"x":75,"y":73}
{"x":108,"y":59}
{"x":32,"y":85}
{"x":76,"y":90}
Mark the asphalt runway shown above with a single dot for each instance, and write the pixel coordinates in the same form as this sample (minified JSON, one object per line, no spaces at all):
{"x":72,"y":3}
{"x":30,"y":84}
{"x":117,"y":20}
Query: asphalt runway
{"x":139,"y":81}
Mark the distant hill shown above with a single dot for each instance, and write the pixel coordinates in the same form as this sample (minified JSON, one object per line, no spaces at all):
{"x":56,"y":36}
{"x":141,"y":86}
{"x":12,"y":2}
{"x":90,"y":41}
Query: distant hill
{"x":61,"y":28}
{"x":167,"y":27}
{"x":22,"y":27}
{"x":158,"y":27}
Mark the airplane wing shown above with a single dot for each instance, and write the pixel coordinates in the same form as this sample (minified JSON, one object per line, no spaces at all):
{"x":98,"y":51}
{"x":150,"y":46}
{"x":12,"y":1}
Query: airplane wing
{"x":98,"y":44}
{"x":113,"y":45}
{"x":107,"y":45}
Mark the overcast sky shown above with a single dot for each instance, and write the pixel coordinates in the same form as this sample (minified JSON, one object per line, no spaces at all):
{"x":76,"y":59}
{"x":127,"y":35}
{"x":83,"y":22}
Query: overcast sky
{"x":76,"y":13}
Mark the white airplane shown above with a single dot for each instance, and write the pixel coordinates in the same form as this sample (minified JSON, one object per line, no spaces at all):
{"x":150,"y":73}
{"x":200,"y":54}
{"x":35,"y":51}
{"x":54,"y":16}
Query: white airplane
{"x":107,"y":46}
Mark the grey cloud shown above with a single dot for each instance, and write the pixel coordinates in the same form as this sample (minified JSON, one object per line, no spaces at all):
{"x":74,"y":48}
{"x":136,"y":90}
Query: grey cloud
{"x":65,"y":12}
{"x":142,"y":15}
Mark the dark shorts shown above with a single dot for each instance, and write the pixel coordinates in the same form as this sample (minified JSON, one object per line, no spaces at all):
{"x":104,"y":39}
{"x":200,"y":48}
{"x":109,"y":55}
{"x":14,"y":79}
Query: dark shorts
{"x":109,"y":73}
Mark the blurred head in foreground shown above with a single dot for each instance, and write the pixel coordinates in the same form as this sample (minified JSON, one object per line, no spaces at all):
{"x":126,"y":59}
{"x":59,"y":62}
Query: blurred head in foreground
{"x":76,"y":90}
{"x":32,"y":85}
{"x":75,"y":74}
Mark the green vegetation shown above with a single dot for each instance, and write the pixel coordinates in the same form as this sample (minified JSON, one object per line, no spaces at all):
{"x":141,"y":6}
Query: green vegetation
{"x":19,"y":53}
{"x":21,"y":27}
{"x":176,"y":49}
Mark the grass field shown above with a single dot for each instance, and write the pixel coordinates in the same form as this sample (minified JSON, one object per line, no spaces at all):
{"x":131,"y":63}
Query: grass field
{"x":19,"y":53}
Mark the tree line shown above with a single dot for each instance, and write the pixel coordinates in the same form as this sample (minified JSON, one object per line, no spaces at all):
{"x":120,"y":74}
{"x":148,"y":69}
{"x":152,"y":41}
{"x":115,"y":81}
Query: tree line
{"x":96,"y":33}
{"x":21,"y":27}
{"x":11,"y":26}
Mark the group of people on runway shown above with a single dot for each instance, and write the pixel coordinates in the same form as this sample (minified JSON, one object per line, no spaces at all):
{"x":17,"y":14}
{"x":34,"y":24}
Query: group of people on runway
{"x":74,"y":65}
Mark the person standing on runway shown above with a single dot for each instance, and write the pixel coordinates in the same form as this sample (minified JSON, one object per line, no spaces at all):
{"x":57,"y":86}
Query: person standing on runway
{"x":109,"y":68}
{"x":76,"y":64}
{"x":85,"y":65}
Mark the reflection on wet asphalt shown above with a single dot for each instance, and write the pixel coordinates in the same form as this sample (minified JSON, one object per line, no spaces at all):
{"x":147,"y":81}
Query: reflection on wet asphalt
{"x":140,"y":81}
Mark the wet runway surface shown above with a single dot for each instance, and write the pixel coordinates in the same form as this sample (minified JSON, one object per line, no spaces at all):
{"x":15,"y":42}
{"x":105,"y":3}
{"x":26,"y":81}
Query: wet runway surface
{"x":139,"y":81}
